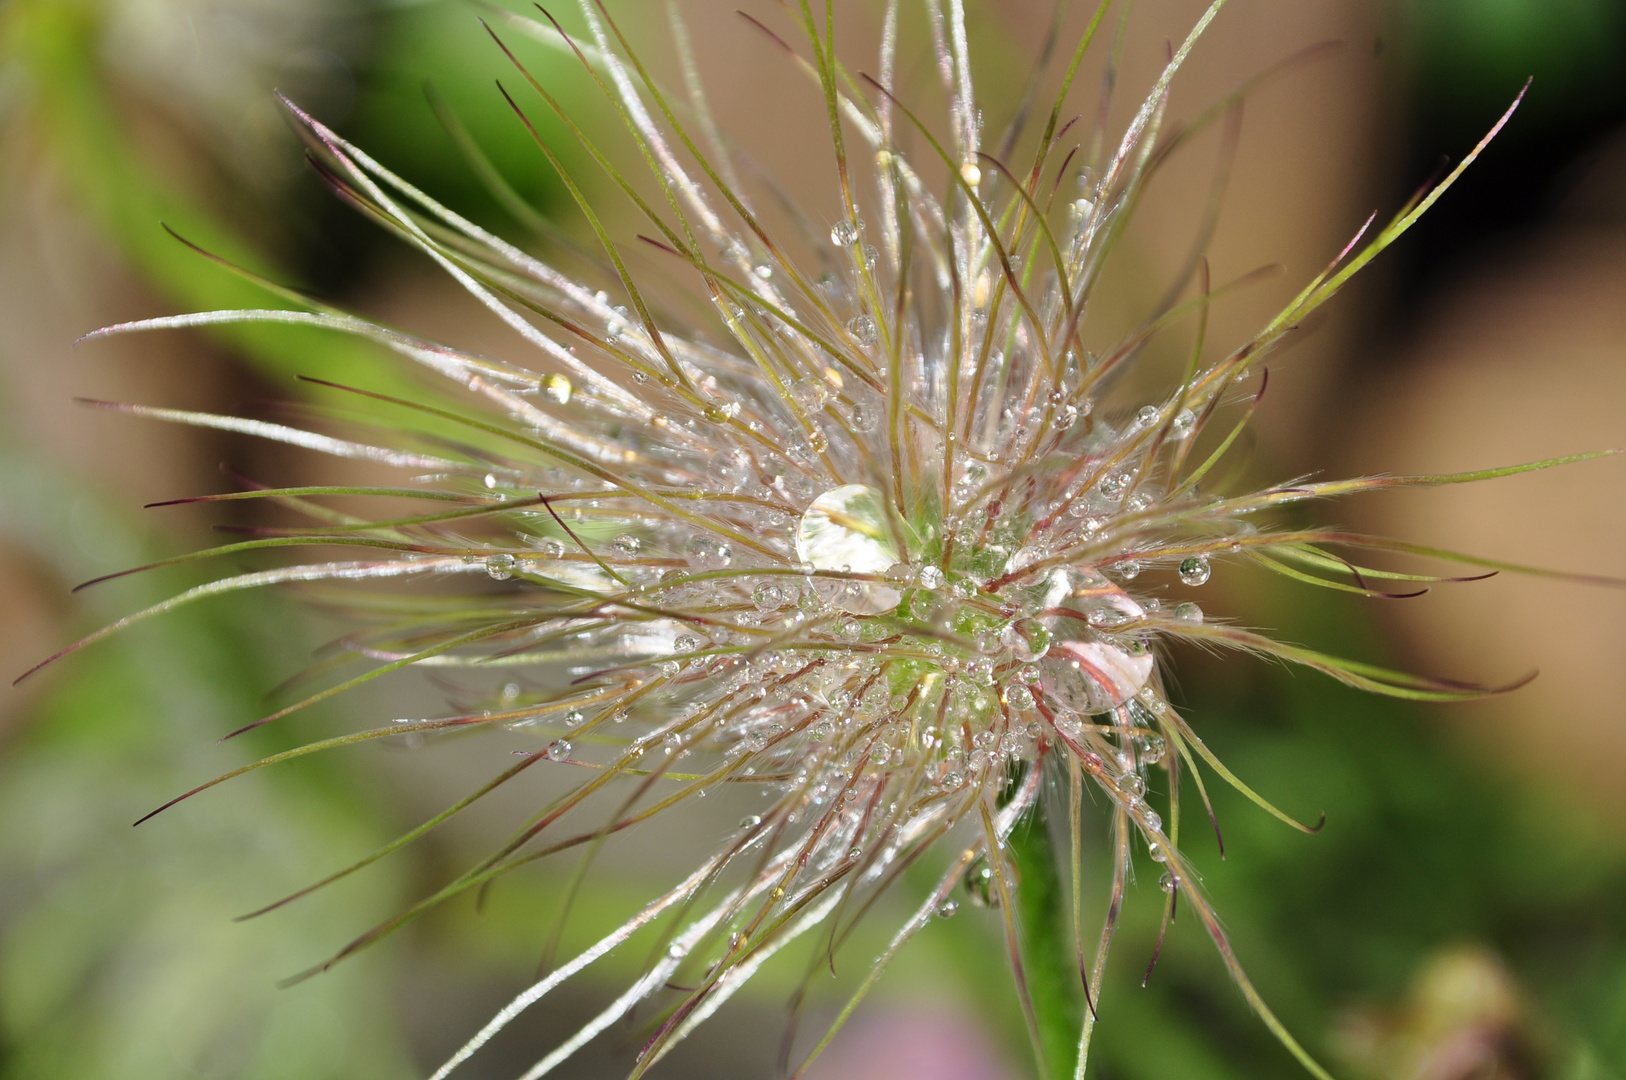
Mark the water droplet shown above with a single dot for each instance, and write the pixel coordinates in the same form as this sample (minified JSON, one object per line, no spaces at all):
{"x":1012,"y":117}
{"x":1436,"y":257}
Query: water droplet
{"x":971,"y":173}
{"x":864,"y":418}
{"x":1146,"y":417}
{"x":1129,"y":569}
{"x":846,"y":527}
{"x":1093,"y":676}
{"x":1133,"y":785}
{"x":501,"y":566}
{"x":810,"y":393}
{"x":490,"y":480}
{"x":1195,"y":570}
{"x":1152,"y":820}
{"x":709,"y":552}
{"x":750,"y":821}
{"x":1152,"y":749}
{"x":930,"y":577}
{"x":557,"y":387}
{"x":1166,"y":882}
{"x":1114,"y":486}
{"x":1140,"y":501}
{"x":1156,"y":852}
{"x":981,"y":888}
{"x":844,"y":233}
{"x":686,"y":643}
{"x":723,"y":412}
{"x":767,"y":597}
{"x":762,"y":271}
{"x":551,"y":548}
{"x":730,"y":469}
{"x":947,"y":908}
{"x":1184,"y":421}
{"x":965,"y":588}
{"x":1028,"y":639}
{"x":626,"y":544}
{"x":862,"y":328}
{"x":1188,"y":612}
{"x":557,"y":750}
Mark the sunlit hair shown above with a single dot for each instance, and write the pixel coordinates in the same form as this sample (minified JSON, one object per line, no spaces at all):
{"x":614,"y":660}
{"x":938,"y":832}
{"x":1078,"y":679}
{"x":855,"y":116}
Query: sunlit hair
{"x":868,"y":539}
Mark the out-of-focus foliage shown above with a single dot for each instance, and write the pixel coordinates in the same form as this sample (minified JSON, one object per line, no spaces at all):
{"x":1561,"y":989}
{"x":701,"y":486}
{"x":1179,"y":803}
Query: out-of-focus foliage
{"x":118,"y":956}
{"x":1470,"y":54}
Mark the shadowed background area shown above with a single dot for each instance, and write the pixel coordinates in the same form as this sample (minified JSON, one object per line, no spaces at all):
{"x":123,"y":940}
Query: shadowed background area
{"x":1459,"y":918}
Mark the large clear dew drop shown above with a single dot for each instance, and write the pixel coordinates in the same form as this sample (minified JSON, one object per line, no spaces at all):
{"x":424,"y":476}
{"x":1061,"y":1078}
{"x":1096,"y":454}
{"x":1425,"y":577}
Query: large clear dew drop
{"x":845,"y":530}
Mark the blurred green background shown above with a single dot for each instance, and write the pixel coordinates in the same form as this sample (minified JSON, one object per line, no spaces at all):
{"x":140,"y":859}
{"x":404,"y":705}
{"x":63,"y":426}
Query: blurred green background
{"x":1459,"y":918}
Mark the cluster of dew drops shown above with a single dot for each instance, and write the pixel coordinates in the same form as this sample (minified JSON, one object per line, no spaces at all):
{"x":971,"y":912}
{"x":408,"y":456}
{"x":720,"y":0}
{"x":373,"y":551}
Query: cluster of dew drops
{"x":883,"y":668}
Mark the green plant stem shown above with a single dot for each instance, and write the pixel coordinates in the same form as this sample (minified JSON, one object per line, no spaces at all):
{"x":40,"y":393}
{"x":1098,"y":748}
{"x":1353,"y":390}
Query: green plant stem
{"x":1047,"y":954}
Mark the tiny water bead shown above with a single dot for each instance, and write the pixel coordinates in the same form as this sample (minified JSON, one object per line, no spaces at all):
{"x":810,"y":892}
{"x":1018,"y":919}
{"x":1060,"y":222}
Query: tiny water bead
{"x":730,"y":470}
{"x":930,"y":577}
{"x":1188,"y":612}
{"x":1152,"y":748}
{"x":844,"y":233}
{"x":1019,"y":698}
{"x":862,"y":328}
{"x":557,"y":750}
{"x":864,"y":418}
{"x":1028,"y":639}
{"x":1166,"y":882}
{"x":1195,"y":570}
{"x":557,"y":388}
{"x":708,"y":552}
{"x":947,"y":908}
{"x":810,"y":393}
{"x":1113,"y":487}
{"x":981,"y":886}
{"x":500,"y":566}
{"x":626,"y":544}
